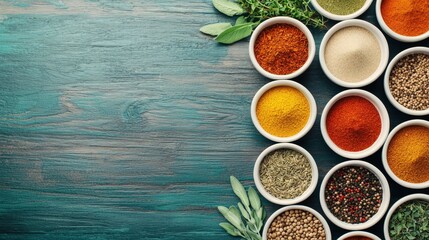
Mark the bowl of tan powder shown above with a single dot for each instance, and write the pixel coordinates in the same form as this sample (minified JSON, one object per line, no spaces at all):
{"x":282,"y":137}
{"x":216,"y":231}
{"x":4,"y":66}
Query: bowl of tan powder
{"x":406,"y":81}
{"x":405,"y":154}
{"x":283,"y":110}
{"x":353,"y":53}
{"x":285,"y":174}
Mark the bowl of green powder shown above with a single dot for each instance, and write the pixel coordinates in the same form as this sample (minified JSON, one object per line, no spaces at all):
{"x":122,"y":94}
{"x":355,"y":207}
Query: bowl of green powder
{"x":285,"y":174}
{"x":408,"y":218}
{"x":341,"y":9}
{"x":353,"y":53}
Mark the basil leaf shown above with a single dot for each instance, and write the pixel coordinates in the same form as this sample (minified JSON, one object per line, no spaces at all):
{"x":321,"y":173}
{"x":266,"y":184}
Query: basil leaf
{"x":229,"y":229}
{"x":215,"y":28}
{"x":228,"y":8}
{"x":239,"y":190}
{"x":255,"y":202}
{"x":234,"y":34}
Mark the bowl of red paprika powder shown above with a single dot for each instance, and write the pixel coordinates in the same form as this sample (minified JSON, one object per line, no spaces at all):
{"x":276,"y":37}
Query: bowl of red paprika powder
{"x":355,"y":123}
{"x":405,"y":154}
{"x":354,"y":195}
{"x":404,"y":20}
{"x":281,"y":48}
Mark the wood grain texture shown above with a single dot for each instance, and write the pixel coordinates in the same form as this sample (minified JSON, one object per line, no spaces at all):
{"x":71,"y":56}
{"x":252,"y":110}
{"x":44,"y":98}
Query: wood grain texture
{"x":119,"y":120}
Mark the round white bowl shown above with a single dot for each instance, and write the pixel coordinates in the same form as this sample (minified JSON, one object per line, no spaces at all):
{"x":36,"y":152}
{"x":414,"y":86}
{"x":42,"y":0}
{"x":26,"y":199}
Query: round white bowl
{"x":289,"y":83}
{"x":413,"y":122}
{"x":305,"y":194}
{"x":359,"y":234}
{"x":384,"y":48}
{"x":393,"y":34}
{"x":417,"y":196}
{"x":282,"y":20}
{"x":385,"y":124}
{"x":296,"y":207}
{"x":384,"y":203}
{"x":337,"y":17}
{"x":397,"y":105}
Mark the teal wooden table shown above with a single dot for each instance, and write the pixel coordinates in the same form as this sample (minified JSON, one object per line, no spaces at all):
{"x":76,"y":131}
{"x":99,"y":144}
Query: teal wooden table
{"x":120,"y":120}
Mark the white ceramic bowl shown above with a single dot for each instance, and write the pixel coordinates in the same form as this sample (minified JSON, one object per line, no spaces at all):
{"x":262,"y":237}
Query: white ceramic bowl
{"x":417,"y":196}
{"x":397,"y":105}
{"x":337,"y":17}
{"x":282,"y":20}
{"x":289,"y":83}
{"x":297,"y":207}
{"x":413,"y":122}
{"x":359,"y":234}
{"x":385,"y":124}
{"x":305,"y":194}
{"x":393,"y":34}
{"x":384,"y":203}
{"x":384,"y":48}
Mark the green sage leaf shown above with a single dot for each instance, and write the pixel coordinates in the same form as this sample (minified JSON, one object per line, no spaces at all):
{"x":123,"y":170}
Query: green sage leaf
{"x":228,"y":215}
{"x":259,"y":213}
{"x":235,"y":211}
{"x":215,"y":28}
{"x":228,"y":8}
{"x":240,"y":20}
{"x":231,"y":230}
{"x":239,"y":190}
{"x":235,"y":33}
{"x":243,"y":211}
{"x":255,"y":202}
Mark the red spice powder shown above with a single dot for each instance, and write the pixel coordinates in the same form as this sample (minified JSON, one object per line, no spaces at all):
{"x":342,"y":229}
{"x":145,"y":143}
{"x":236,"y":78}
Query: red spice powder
{"x":358,"y":238}
{"x":281,"y":49}
{"x":353,"y":123}
{"x":406,"y":17}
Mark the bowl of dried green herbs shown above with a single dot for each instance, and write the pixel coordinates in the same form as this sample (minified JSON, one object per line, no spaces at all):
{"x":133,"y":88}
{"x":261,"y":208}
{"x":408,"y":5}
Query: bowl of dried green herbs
{"x":408,"y":218}
{"x":285,"y":174}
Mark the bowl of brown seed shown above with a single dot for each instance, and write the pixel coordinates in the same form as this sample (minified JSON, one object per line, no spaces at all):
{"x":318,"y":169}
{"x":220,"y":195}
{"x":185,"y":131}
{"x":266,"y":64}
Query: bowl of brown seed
{"x":359,"y":235}
{"x":285,"y":174}
{"x":296,"y":222}
{"x":406,"y":81}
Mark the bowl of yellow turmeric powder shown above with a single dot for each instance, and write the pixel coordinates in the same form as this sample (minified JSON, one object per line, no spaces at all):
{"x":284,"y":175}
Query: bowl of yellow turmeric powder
{"x":405,"y":154}
{"x":283,"y":110}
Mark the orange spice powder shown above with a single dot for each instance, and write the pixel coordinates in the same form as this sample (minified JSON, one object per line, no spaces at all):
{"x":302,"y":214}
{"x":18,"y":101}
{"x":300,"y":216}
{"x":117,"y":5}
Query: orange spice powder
{"x":281,"y":49}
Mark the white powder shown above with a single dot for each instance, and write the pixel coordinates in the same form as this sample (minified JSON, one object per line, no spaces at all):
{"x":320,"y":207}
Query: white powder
{"x":352,"y":54}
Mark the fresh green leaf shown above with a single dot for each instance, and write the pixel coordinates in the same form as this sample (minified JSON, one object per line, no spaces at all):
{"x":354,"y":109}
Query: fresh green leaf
{"x":238,"y":189}
{"x":227,"y":7}
{"x":235,"y":211}
{"x":243,"y":211}
{"x":228,"y":215}
{"x":234,"y":34}
{"x":240,"y":20}
{"x":231,"y":230}
{"x":215,"y":28}
{"x":255,"y":202}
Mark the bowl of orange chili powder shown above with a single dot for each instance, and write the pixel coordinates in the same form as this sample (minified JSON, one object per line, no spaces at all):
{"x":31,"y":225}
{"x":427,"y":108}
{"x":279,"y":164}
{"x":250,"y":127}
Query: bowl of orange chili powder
{"x":405,"y":154}
{"x":283,"y":110}
{"x":281,"y":48}
{"x":355,"y":123}
{"x":404,"y":20}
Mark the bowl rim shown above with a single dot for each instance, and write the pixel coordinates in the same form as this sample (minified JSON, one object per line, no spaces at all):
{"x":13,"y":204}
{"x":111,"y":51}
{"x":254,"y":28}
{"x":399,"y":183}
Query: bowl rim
{"x":297,"y":207}
{"x":288,"y":83}
{"x":314,"y":174}
{"x":413,"y":122}
{"x":359,"y":233}
{"x":384,"y":203}
{"x":392,"y":100}
{"x":337,"y":17}
{"x":411,"y":197}
{"x":285,"y":20}
{"x":393,"y":34}
{"x":384,"y":49}
{"x":385,"y":123}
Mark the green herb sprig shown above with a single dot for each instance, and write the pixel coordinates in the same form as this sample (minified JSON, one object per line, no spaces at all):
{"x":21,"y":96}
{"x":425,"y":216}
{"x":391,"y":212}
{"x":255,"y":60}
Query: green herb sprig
{"x":247,"y":220}
{"x":410,"y":221}
{"x":254,"y":12}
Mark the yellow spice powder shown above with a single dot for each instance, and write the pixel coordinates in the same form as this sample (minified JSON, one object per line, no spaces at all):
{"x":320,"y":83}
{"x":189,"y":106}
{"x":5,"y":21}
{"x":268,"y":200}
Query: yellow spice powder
{"x":283,"y":111}
{"x":408,"y":154}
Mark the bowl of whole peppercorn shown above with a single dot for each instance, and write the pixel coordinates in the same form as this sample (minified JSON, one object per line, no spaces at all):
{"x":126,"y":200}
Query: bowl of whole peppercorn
{"x":281,"y":48}
{"x":354,"y":195}
{"x":359,"y":235}
{"x":408,"y":218}
{"x":406,"y":81}
{"x":296,"y":222}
